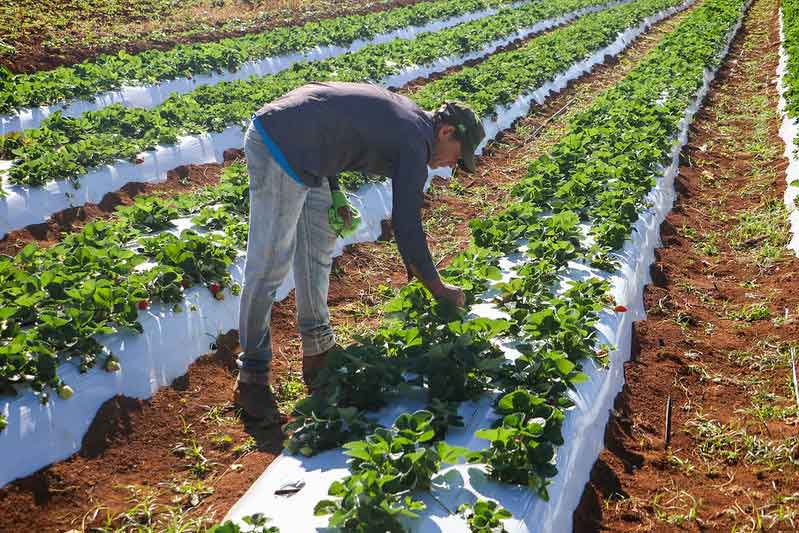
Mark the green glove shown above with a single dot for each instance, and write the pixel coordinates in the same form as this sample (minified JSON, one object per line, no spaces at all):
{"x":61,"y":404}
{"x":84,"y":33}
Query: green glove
{"x":337,"y":221}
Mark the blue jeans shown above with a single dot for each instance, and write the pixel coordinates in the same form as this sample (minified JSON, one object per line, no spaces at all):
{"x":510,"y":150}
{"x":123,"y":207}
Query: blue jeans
{"x":288,"y":227}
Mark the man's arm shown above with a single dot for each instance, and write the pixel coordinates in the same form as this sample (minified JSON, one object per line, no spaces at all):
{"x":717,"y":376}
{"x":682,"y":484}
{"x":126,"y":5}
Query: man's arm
{"x":407,"y":196}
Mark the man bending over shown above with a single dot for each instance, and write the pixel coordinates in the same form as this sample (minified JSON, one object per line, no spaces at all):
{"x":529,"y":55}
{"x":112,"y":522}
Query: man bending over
{"x":295,"y":148}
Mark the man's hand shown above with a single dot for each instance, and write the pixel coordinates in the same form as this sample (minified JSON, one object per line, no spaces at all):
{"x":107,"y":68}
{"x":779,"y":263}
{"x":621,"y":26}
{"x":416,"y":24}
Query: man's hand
{"x":346,"y":215}
{"x":343,"y":218}
{"x":450,"y":293}
{"x":443,"y":292}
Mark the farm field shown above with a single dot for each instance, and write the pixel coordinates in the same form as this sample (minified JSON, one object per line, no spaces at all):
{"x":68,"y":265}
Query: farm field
{"x":125,"y":227}
{"x":43,"y":34}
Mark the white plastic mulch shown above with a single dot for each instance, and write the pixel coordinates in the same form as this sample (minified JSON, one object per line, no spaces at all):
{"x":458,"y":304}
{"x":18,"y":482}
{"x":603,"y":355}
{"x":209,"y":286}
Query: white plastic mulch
{"x":788,"y":132}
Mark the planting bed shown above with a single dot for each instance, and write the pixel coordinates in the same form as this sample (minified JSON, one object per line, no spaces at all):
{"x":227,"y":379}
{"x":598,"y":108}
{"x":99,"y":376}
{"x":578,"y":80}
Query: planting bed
{"x":720,"y":331}
{"x":514,"y":393}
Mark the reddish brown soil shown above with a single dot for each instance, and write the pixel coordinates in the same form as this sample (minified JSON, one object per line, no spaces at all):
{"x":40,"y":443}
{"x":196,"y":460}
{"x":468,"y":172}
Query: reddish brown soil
{"x":31,"y":54}
{"x":131,"y":441}
{"x":690,"y":347}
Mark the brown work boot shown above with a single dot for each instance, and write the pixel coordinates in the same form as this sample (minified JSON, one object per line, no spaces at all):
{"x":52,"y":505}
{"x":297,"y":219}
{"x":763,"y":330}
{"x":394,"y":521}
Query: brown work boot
{"x":312,"y":366}
{"x":254,"y":396}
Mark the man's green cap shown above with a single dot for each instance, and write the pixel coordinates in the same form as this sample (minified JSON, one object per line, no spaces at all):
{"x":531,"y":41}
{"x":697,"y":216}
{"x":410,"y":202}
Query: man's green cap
{"x":469,"y":129}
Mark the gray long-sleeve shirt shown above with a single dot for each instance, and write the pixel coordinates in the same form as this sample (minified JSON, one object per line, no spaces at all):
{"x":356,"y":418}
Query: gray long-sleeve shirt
{"x":326,"y":128}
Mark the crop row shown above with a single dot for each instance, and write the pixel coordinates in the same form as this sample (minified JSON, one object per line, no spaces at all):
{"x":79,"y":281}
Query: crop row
{"x":788,"y":72}
{"x":633,"y":125}
{"x":110,"y":72}
{"x":790,"y":28}
{"x":53,"y":301}
{"x":65,"y":148}
{"x":615,"y":150}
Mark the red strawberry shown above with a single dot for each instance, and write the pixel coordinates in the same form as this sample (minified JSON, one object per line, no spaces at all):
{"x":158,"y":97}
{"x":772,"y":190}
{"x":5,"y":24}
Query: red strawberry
{"x":620,"y":309}
{"x":215,"y":287}
{"x":185,"y":283}
{"x":144,"y":304}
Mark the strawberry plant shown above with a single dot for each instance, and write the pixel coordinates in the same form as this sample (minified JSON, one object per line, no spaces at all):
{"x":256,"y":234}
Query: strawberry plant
{"x":200,"y":257}
{"x":458,"y":370}
{"x":215,"y":218}
{"x":388,"y":463}
{"x":361,"y":376}
{"x":522,"y":449}
{"x":256,"y":523}
{"x":503,"y":231}
{"x":452,"y":357}
{"x":401,"y":454}
{"x":318,"y":425}
{"x":473,"y":270}
{"x":149,"y":214}
{"x":547,"y":373}
{"x":565,"y":322}
{"x":362,"y":505}
{"x":484,"y":516}
{"x":445,"y":416}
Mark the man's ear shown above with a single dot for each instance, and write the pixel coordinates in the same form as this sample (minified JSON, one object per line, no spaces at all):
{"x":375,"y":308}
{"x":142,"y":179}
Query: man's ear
{"x":446,"y":131}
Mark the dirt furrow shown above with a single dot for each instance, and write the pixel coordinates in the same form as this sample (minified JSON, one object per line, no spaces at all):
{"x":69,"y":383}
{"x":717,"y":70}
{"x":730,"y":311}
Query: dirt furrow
{"x":140,"y":452}
{"x":720,"y":331}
